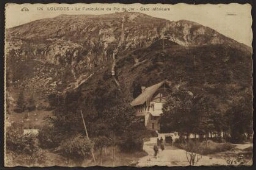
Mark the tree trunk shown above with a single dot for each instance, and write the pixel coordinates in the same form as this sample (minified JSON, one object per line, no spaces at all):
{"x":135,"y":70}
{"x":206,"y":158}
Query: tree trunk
{"x":87,"y":136}
{"x":113,"y":154}
{"x":101,"y":156}
{"x":105,"y":150}
{"x":187,"y":135}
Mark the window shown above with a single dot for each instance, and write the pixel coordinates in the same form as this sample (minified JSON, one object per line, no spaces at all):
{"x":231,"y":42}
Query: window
{"x":152,"y":106}
{"x":153,"y":126}
{"x":153,"y":117}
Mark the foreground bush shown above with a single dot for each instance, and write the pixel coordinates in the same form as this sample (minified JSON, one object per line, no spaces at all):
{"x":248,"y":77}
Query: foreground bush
{"x":49,"y":138}
{"x":19,"y":143}
{"x":209,"y":147}
{"x":131,"y":144}
{"x":76,"y":148}
{"x":133,"y":141}
{"x":205,"y":147}
{"x":23,"y":146}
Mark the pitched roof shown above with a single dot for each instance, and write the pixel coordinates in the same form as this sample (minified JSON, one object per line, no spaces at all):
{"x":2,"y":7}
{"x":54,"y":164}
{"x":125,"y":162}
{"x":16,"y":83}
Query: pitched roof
{"x":147,"y":94}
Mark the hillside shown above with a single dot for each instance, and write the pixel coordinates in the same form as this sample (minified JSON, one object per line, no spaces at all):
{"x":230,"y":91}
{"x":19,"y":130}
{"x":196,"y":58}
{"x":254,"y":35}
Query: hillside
{"x":220,"y":71}
{"x":57,"y":52}
{"x":72,"y":78}
{"x":73,"y":54}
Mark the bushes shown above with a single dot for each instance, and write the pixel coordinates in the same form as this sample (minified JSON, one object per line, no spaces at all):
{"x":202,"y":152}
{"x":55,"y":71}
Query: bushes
{"x":25,"y":146}
{"x":77,"y":148}
{"x":205,"y":147}
{"x":19,"y":143}
{"x":209,"y":147}
{"x":48,"y":138}
{"x":131,"y":144}
{"x":133,"y":141}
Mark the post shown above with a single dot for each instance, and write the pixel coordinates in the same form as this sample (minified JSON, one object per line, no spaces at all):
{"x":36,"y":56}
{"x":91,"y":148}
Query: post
{"x":113,"y":164}
{"x":87,"y":135}
{"x":163,"y":44}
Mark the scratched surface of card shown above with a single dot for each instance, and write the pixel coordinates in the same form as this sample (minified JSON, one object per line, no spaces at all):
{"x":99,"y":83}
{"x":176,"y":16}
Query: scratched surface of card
{"x":128,"y":85}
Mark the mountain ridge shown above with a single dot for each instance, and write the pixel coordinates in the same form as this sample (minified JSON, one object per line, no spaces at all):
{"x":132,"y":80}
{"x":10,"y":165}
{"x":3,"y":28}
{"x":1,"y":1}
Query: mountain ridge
{"x":68,"y":47}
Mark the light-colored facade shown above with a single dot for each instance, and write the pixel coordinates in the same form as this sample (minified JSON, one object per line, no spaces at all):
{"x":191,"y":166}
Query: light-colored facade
{"x":149,"y":104}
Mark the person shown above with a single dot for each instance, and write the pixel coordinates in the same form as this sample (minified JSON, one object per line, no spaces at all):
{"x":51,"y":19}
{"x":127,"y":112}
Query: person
{"x":161,"y":143}
{"x":162,"y":146}
{"x":155,"y":150}
{"x":171,"y":140}
{"x":158,"y":142}
{"x":161,"y":140}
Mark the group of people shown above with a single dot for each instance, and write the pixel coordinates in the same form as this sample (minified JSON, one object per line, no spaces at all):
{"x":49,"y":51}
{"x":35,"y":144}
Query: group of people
{"x":160,"y":143}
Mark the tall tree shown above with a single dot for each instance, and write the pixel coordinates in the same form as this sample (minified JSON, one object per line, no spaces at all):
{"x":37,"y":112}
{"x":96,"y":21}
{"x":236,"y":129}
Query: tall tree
{"x":240,"y":119}
{"x":31,"y":103}
{"x":21,"y":104}
{"x":136,"y":89}
{"x":187,"y":113}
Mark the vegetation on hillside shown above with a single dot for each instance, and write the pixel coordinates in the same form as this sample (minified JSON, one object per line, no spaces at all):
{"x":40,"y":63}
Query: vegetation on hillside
{"x":210,"y":79}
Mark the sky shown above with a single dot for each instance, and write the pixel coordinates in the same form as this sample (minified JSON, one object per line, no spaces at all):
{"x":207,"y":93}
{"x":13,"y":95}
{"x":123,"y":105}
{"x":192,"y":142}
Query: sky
{"x":232,"y":20}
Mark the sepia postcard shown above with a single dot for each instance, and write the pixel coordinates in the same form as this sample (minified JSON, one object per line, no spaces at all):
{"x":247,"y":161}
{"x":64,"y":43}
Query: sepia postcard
{"x":128,"y":85}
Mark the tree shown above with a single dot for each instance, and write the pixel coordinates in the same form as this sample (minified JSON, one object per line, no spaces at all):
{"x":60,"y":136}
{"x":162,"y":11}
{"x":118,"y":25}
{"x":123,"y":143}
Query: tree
{"x":109,"y":118}
{"x":240,"y":115}
{"x":178,"y":113}
{"x":31,"y":104}
{"x":76,"y":148}
{"x":25,"y":145}
{"x":192,"y":152}
{"x":187,"y":113}
{"x":136,"y":89}
{"x":20,"y":107}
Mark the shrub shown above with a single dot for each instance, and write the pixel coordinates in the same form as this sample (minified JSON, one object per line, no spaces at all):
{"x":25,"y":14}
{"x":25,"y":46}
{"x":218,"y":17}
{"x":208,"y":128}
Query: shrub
{"x":193,"y":154}
{"x":209,"y":147}
{"x":48,"y":138}
{"x":133,"y":141}
{"x":19,"y":143}
{"x":25,"y":146}
{"x":205,"y":147}
{"x":14,"y":136}
{"x":18,"y":110}
{"x":76,"y":148}
{"x":131,"y":144}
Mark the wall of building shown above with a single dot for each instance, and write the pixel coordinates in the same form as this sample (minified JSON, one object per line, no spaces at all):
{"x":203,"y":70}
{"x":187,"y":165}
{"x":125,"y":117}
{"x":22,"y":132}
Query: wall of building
{"x":152,"y":122}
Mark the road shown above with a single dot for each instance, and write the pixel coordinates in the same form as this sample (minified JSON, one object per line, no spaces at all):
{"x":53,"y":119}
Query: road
{"x":173,"y":156}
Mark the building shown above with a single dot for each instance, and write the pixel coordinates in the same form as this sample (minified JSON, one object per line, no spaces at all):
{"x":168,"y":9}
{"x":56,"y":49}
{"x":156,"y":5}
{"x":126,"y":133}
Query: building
{"x":150,"y":102}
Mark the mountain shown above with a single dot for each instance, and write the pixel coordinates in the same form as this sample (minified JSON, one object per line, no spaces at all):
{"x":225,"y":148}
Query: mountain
{"x":70,"y":52}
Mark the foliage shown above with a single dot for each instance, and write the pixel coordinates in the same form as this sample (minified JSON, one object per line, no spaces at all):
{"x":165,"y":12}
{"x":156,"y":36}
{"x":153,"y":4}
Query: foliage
{"x":199,"y":113}
{"x":238,"y":159}
{"x":240,"y":115}
{"x":26,"y":145}
{"x":136,"y":89}
{"x":54,"y":100}
{"x":109,"y":118}
{"x":76,"y":148}
{"x":132,"y":140}
{"x":21,"y":104}
{"x":31,"y":104}
{"x":192,"y":152}
{"x":188,"y":113}
{"x":49,"y":138}
{"x":205,"y":147}
{"x":210,"y":147}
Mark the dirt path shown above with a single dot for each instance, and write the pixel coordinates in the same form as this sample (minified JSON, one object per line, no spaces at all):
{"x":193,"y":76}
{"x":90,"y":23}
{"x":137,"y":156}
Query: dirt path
{"x":172,"y":156}
{"x":243,"y":146}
